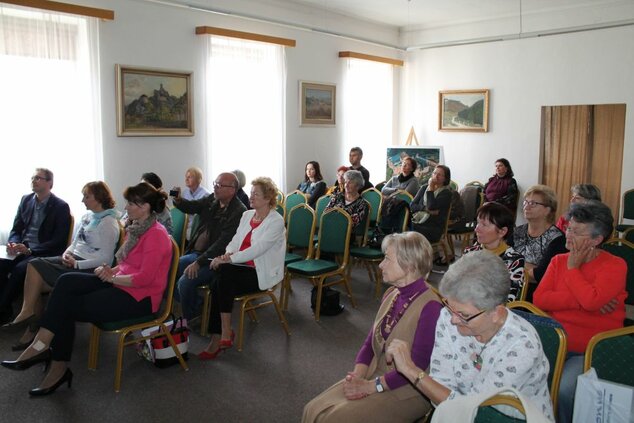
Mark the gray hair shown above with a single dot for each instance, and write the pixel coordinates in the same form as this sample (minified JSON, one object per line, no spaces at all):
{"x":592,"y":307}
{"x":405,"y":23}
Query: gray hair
{"x":355,"y":177}
{"x":413,"y":252}
{"x":586,"y":191}
{"x":479,"y":278}
{"x":596,"y":214}
{"x":242,"y":180}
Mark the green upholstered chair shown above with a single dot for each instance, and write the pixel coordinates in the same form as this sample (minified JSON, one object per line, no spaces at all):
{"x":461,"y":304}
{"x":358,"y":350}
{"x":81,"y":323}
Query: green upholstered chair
{"x":472,"y":198}
{"x":280,"y":197}
{"x":179,"y":227}
{"x":320,"y":207}
{"x":292,"y":199}
{"x":375,"y":199}
{"x":627,"y":210}
{"x":128,"y":327}
{"x":553,"y":339}
{"x":610,"y":353}
{"x":334,"y":239}
{"x":624,"y":249}
{"x":628,"y":235}
{"x":281,"y":210}
{"x":488,"y":414}
{"x":300,"y":233}
{"x":454,"y":185}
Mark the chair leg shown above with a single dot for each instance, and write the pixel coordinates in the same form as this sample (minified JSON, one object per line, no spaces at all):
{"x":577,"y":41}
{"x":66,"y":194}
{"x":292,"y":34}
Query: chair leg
{"x":280,"y":314}
{"x":204,"y":319}
{"x":119,"y":368}
{"x":287,"y":290}
{"x":320,"y":287}
{"x":243,"y":305}
{"x":93,"y":349}
{"x":170,"y":338}
{"x":346,"y":284}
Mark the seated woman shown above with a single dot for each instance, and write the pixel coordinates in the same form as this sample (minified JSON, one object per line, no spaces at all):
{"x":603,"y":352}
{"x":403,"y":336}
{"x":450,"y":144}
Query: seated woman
{"x":577,"y":286}
{"x":433,"y":200}
{"x":242,"y":181}
{"x":164,"y":217}
{"x":132,"y":289}
{"x":350,"y":200}
{"x":404,"y":180}
{"x":495,"y":226}
{"x":373,"y":391}
{"x":338,"y":186}
{"x":313,"y":185}
{"x":253,"y":261}
{"x":502,"y":187}
{"x":479,"y":345}
{"x":580,"y":193}
{"x":539,"y":235}
{"x":93,"y":245}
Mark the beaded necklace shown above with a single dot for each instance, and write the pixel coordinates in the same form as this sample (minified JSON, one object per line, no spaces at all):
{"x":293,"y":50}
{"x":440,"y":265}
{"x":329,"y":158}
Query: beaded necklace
{"x":391,"y":321}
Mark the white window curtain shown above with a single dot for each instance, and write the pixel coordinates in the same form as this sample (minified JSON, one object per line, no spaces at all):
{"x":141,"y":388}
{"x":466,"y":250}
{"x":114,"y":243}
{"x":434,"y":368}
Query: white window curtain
{"x":368,"y":113}
{"x":245,"y":108}
{"x":50,"y":107}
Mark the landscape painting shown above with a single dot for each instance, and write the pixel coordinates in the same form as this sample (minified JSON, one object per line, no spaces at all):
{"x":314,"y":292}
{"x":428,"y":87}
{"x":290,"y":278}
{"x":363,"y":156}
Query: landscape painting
{"x":318,"y":103}
{"x":153,"y":102}
{"x":426,"y":157}
{"x":463,"y":110}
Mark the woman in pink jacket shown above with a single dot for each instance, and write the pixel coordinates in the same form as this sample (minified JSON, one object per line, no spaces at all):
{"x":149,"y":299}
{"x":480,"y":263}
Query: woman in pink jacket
{"x":131,"y":289}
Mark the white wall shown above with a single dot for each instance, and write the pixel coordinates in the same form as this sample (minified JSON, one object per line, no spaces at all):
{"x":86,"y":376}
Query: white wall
{"x":593,"y":67}
{"x":154,"y":35}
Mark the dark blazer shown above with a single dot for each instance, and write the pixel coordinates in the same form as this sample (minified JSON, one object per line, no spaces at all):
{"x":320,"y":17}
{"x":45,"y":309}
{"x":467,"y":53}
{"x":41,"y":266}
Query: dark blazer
{"x":53,"y":233}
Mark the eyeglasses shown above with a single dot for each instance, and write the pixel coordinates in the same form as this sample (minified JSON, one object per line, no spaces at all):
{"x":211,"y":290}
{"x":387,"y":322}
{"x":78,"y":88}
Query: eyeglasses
{"x":573,"y":232}
{"x":532,"y":203}
{"x":464,"y":319}
{"x":39,"y":178}
{"x":219,"y":185}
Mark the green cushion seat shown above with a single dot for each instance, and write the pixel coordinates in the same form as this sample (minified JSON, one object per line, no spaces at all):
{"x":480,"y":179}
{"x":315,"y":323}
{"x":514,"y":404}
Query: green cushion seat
{"x":112,"y":326}
{"x":292,"y":258}
{"x":366,"y":253}
{"x":312,"y":267}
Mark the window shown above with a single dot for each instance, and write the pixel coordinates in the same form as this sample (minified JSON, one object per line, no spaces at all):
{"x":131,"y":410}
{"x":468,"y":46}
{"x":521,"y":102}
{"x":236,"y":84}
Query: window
{"x":368,"y":113}
{"x":50,"y":112}
{"x":245,"y":108}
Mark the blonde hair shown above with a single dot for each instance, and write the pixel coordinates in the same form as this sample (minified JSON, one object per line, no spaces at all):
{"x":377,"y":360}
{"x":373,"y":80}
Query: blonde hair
{"x":413,"y":252}
{"x":549,"y":198}
{"x":269,"y":189}
{"x":197,"y":172}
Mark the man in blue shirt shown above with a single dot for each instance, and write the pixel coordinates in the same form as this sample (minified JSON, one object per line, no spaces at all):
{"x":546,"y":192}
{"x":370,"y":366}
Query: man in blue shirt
{"x":40,"y":229}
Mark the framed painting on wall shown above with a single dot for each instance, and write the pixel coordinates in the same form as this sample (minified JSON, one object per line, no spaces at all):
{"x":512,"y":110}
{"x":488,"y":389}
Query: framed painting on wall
{"x":463,"y":110}
{"x":426,"y":157}
{"x":153,"y":102}
{"x":318,"y":103}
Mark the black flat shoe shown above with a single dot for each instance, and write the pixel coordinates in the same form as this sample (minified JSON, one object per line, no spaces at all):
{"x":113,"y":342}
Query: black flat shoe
{"x":18,"y":326}
{"x":40,"y":392}
{"x":44,"y":356}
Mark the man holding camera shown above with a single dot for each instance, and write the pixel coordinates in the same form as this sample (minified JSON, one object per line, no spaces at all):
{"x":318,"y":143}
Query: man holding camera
{"x":218,"y":218}
{"x":40,"y":229}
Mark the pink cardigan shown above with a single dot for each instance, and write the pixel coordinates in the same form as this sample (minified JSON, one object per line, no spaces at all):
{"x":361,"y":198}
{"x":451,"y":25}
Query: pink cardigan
{"x":148,"y":263}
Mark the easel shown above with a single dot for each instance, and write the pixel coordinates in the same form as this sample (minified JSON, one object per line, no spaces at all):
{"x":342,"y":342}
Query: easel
{"x":411,"y":138}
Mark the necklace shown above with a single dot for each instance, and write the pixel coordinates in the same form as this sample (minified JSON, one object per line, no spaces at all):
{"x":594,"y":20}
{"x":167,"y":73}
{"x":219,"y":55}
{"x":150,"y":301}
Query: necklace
{"x":476,"y":358}
{"x":391,"y":321}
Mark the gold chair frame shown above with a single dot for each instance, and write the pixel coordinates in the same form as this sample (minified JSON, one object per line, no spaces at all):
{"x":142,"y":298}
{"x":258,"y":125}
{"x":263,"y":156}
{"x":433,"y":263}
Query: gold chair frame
{"x":587,"y":363}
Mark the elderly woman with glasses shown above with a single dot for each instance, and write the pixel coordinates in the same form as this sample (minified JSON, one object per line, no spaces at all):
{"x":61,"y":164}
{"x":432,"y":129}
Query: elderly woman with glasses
{"x":578,"y":285}
{"x":350,"y":200}
{"x":480,"y":345}
{"x":374,"y":391}
{"x":539,"y":240}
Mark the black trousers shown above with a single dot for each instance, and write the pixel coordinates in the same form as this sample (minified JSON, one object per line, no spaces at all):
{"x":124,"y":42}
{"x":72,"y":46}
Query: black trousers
{"x":11,"y":286}
{"x":232,"y":281}
{"x":80,"y":297}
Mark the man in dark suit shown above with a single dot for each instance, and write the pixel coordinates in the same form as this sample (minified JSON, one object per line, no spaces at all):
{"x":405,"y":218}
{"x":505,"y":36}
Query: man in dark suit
{"x":40,"y":229}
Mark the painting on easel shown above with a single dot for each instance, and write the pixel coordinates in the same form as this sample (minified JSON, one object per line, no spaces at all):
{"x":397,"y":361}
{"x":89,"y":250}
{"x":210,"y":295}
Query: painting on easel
{"x":426,"y":157}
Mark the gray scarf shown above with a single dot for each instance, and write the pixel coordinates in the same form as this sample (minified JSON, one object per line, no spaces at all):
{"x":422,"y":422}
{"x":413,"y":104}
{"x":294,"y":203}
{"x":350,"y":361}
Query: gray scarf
{"x":135,"y":230}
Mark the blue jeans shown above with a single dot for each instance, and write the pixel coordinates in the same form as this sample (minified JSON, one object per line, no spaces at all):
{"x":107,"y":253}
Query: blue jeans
{"x":573,"y":367}
{"x":186,"y":289}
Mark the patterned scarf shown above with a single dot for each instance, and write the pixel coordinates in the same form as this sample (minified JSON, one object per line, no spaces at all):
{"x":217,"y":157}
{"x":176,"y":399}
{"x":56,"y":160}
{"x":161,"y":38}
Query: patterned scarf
{"x":135,"y":230}
{"x":95,"y":218}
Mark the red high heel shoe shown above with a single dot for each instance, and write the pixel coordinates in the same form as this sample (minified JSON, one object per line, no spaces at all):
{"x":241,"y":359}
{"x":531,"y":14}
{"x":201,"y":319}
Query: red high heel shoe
{"x":205,"y":355}
{"x":227,"y":343}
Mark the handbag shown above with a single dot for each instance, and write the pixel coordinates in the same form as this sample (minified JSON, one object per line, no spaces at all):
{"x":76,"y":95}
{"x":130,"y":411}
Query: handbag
{"x":158,"y":350}
{"x":599,"y":401}
{"x":329,"y":301}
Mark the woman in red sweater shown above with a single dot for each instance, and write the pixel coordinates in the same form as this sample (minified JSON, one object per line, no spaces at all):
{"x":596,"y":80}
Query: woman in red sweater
{"x":578,"y":285}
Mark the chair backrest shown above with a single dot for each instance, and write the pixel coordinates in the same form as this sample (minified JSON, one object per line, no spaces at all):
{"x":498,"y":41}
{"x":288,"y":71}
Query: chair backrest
{"x":553,"y":339}
{"x":375,"y":199}
{"x":453,"y":185}
{"x":477,"y":184}
{"x":320,"y":206}
{"x":380,"y":185}
{"x":179,"y":226}
{"x":301,"y":228}
{"x":71,"y":230}
{"x":624,"y":249}
{"x":362,"y":229}
{"x":405,"y":212}
{"x":628,"y":204}
{"x":280,"y":197}
{"x":334,"y":234}
{"x":281,"y":210}
{"x":471,"y":200}
{"x":488,"y":414}
{"x":610,"y":353}
{"x":292,"y":199}
{"x":628,"y":235}
{"x":171,"y":282}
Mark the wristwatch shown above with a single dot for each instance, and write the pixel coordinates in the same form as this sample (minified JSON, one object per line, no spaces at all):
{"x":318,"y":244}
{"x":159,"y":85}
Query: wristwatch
{"x":379,"y":385}
{"x":420,"y":377}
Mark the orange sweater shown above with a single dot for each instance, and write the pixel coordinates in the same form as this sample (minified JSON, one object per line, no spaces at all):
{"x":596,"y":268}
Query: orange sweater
{"x":574,"y":297}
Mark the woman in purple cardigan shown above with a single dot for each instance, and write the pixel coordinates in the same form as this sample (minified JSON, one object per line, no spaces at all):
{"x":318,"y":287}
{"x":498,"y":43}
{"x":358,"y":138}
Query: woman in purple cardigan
{"x":372,"y":391}
{"x":502,"y":187}
{"x":132,"y":289}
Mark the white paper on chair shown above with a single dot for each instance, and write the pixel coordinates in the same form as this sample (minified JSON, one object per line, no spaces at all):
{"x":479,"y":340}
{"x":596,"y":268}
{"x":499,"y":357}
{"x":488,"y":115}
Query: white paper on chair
{"x":4,"y":255}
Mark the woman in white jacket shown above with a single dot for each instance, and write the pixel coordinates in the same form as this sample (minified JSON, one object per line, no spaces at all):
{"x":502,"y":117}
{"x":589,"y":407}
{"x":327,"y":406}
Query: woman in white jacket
{"x":253,"y":261}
